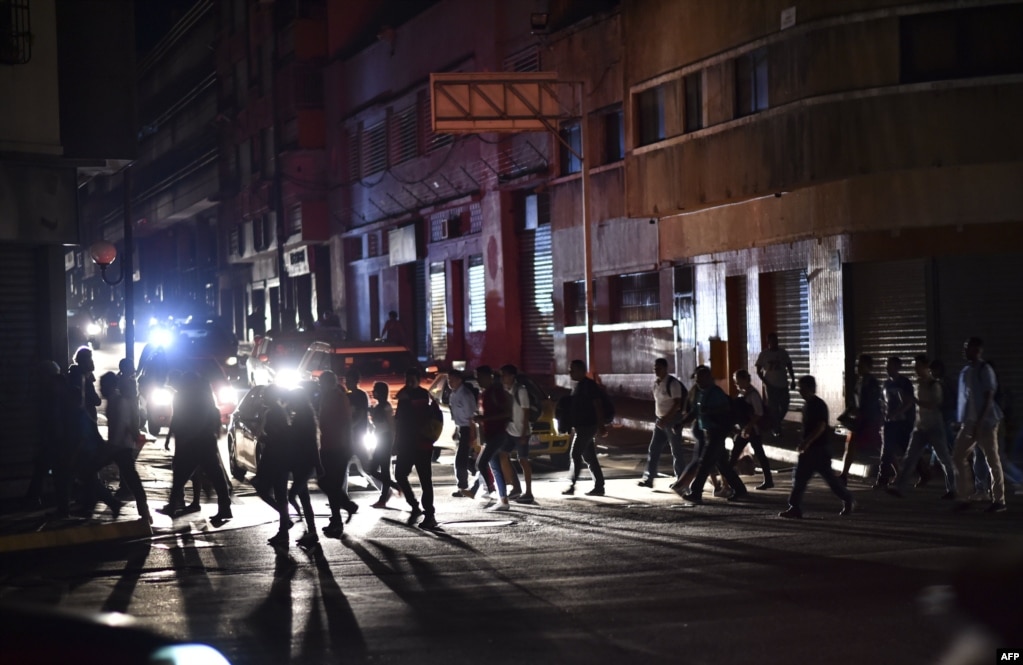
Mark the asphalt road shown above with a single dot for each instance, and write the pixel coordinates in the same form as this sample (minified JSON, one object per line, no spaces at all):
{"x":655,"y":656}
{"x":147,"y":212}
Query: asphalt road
{"x":632,"y":577}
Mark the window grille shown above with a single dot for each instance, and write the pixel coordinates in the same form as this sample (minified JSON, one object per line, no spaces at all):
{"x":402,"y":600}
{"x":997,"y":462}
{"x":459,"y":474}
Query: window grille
{"x":354,"y":163}
{"x":477,"y":294}
{"x":639,"y":297}
{"x":372,"y":244}
{"x":431,"y":141}
{"x":438,"y":310}
{"x":15,"y":32}
{"x":404,"y":139}
{"x":374,"y":148}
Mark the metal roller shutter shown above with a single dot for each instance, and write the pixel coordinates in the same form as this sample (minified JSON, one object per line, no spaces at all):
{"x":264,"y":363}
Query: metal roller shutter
{"x":438,"y":310}
{"x":421,"y":332}
{"x":793,"y":323}
{"x":537,"y":276}
{"x":980,"y":296}
{"x":889,"y":313}
{"x":18,"y":355}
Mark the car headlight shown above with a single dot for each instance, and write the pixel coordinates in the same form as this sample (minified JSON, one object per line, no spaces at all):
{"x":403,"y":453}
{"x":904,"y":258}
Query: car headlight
{"x":369,"y":439}
{"x":161,"y":397}
{"x":93,"y":329}
{"x":161,"y":337}
{"x":287,"y":379}
{"x":227,"y":395}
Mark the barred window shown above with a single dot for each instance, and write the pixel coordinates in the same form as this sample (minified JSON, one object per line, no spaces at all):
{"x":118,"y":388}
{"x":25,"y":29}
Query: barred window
{"x":477,"y":294}
{"x":404,"y":139}
{"x":354,"y":155}
{"x":638,"y":297}
{"x":431,"y":141}
{"x":374,"y":148}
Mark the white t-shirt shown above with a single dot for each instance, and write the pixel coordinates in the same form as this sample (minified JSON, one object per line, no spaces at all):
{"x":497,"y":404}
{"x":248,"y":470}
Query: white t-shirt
{"x":756,"y":402}
{"x":775,"y":364}
{"x":666,"y":396}
{"x":520,"y":406}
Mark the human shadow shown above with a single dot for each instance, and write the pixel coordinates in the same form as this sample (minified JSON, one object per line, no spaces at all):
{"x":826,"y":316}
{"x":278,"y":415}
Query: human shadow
{"x":120,"y":596}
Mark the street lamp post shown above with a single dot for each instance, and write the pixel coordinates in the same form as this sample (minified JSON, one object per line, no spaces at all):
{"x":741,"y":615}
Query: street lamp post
{"x":104,"y":253}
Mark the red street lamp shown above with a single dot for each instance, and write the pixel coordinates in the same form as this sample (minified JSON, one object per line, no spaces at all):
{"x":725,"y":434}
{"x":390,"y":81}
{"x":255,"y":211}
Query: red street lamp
{"x":103,"y":254}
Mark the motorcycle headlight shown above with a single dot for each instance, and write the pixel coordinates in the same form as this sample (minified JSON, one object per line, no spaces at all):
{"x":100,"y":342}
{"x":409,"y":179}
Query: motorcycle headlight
{"x":161,"y":397}
{"x":93,"y":329}
{"x":227,"y":395}
{"x":287,"y":379}
{"x":161,"y":337}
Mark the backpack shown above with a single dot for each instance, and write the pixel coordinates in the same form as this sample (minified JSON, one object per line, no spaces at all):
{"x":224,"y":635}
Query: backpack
{"x":432,"y":429}
{"x":533,"y":407}
{"x":606,"y":405}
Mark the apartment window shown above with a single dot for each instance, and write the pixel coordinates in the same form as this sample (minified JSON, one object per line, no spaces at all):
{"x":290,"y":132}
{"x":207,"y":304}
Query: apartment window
{"x":638,"y":297}
{"x":575,"y":303}
{"x":966,"y":43}
{"x":693,"y":85}
{"x":571,"y":137}
{"x":294,"y":220}
{"x":431,"y":141}
{"x":614,"y":135}
{"x":373,"y":244}
{"x":354,"y":154}
{"x":751,"y":82}
{"x":374,"y":148}
{"x":650,"y":115}
{"x":404,"y":138}
{"x":477,"y":294}
{"x":260,"y":241}
{"x":15,"y":32}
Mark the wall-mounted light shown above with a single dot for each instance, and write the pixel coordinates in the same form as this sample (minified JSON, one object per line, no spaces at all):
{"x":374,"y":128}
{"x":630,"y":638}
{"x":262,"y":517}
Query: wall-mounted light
{"x":103,"y":254}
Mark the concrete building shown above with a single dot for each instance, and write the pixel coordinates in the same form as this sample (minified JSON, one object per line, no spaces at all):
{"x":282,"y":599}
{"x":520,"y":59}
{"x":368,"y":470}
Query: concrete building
{"x":66,"y":97}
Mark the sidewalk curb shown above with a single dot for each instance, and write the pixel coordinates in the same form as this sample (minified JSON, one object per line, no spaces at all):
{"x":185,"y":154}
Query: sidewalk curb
{"x":81,"y":535}
{"x":774,"y":453}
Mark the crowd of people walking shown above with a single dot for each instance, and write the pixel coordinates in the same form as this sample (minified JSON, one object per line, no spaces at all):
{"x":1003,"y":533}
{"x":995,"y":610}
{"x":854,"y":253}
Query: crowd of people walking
{"x":319,"y":431}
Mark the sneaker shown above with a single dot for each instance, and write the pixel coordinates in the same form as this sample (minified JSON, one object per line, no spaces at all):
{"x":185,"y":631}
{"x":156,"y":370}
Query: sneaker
{"x":500,"y":507}
{"x":222,"y":516}
{"x":848,"y":507}
{"x":525,"y":498}
{"x":334,"y":530}
{"x":693,"y":499}
{"x":996,"y":507}
{"x":191,"y":508}
{"x":514,"y":494}
{"x":460,"y":494}
{"x":429,"y":522}
{"x":725,"y":492}
{"x":415,"y":511}
{"x":280,"y":539}
{"x":766,"y":485}
{"x":792,"y":513}
{"x":646,"y":482}
{"x":596,"y":491}
{"x":484,"y":495}
{"x":739,"y":496}
{"x":570,"y":491}
{"x":382,"y":503}
{"x":308,"y":540}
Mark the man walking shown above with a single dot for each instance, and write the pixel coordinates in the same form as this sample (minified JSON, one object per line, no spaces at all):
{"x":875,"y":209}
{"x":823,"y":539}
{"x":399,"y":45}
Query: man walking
{"x":494,"y":423}
{"x":899,"y":414}
{"x":335,"y":422}
{"x":814,"y":453}
{"x":518,"y":430}
{"x":751,"y":431}
{"x":978,"y":417}
{"x":587,"y":422}
{"x":464,"y":405}
{"x":712,"y":410}
{"x":414,"y":446}
{"x":669,"y":396}
{"x":772,"y":365}
{"x":928,"y":431}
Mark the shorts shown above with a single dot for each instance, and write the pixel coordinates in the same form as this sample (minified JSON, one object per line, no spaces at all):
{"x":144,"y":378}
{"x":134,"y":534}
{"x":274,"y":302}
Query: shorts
{"x":519,"y":444}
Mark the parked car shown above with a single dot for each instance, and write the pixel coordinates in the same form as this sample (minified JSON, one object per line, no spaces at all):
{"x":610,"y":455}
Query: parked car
{"x":545,"y":438}
{"x":283,"y":351}
{"x":156,"y":390}
{"x":243,"y":451}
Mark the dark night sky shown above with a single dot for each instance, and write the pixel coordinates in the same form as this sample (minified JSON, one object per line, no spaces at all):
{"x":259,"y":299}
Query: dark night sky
{"x":153,"y":18}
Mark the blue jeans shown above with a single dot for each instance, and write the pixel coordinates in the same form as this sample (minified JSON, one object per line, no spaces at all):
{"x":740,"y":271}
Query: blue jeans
{"x":489,"y":457}
{"x":714,"y":455}
{"x":661,"y":436}
{"x":893,"y":446}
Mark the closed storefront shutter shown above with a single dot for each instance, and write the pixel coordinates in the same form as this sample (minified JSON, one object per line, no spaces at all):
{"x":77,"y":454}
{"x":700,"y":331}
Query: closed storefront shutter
{"x":793,"y":323}
{"x":18,"y":357}
{"x":438,"y":310}
{"x":889,"y":312}
{"x":980,"y":296}
{"x":422,"y":338}
{"x":537,"y":276}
